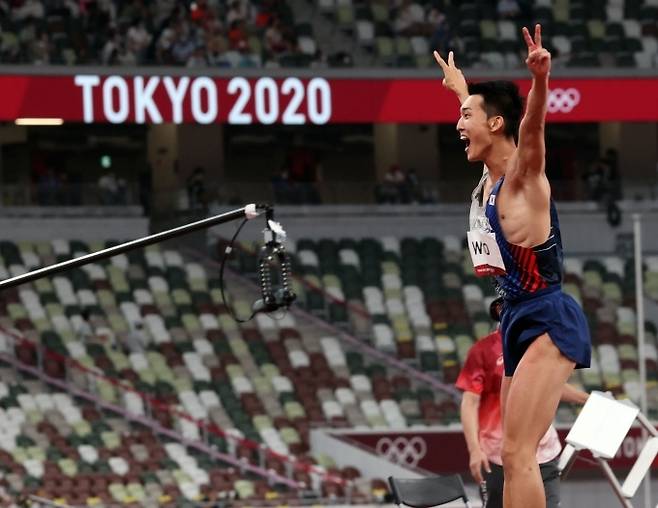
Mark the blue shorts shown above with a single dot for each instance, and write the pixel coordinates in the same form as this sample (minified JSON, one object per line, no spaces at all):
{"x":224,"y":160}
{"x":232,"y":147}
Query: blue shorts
{"x":547,"y":311}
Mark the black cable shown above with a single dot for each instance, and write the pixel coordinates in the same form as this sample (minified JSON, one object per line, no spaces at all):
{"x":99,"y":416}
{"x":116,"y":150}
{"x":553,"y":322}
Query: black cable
{"x":227,"y":252}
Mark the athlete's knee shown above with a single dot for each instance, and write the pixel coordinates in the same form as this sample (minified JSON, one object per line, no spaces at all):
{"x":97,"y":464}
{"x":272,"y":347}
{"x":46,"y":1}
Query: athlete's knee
{"x":518,"y":456}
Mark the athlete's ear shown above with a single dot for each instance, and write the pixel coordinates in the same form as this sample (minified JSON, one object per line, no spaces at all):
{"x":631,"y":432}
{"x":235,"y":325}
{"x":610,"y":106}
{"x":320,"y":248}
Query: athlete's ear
{"x":496,"y":123}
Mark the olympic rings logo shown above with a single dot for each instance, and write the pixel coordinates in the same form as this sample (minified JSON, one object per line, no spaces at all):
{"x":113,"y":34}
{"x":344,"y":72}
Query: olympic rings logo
{"x":402,"y":450}
{"x":562,"y":100}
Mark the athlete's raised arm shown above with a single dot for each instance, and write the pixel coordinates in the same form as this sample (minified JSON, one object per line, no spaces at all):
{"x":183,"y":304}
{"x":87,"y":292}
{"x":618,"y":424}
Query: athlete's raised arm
{"x":453,"y":77}
{"x":532,"y":150}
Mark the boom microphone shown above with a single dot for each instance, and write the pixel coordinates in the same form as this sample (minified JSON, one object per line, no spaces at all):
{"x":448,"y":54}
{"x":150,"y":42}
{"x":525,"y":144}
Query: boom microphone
{"x":273,"y":270}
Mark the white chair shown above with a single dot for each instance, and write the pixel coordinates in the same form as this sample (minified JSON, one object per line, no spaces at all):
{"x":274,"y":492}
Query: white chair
{"x":76,"y":349}
{"x":349,"y":257}
{"x":158,"y":284}
{"x":308,"y":258}
{"x":299,"y":359}
{"x":281,"y":384}
{"x":601,"y":427}
{"x":154,"y":258}
{"x":203,"y":347}
{"x":384,"y":337}
{"x":195,"y":271}
{"x":643,"y":60}
{"x":365,"y":32}
{"x":209,"y":399}
{"x":391,"y":244}
{"x":391,"y":281}
{"x":632,"y":28}
{"x":173,"y":258}
{"x":142,"y":297}
{"x":573,"y":266}
{"x":61,"y":247}
{"x":360,"y":383}
{"x":133,"y":403}
{"x":420,"y":45}
{"x":345,"y":396}
{"x":118,"y":465}
{"x":88,"y":453}
{"x":394,"y":307}
{"x":120,"y":261}
{"x":332,"y":409}
{"x":95,"y":272}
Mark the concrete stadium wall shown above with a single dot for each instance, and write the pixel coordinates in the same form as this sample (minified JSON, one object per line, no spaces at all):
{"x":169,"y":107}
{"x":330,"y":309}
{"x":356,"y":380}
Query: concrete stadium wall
{"x":585,"y":229}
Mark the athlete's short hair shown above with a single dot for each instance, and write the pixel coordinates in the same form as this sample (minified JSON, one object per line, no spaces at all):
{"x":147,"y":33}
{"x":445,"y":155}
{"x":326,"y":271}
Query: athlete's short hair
{"x":501,"y":98}
{"x":495,"y":309}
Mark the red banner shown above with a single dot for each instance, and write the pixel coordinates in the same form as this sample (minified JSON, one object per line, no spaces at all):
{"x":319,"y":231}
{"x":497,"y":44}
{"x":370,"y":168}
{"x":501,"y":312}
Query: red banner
{"x":294,"y":101}
{"x":444,"y":452}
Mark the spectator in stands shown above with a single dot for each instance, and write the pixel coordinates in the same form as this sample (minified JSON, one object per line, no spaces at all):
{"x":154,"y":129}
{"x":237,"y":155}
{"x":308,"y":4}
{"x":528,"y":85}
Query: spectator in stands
{"x":164,"y":45}
{"x":112,"y":189}
{"x":111,"y":48}
{"x":410,"y":19}
{"x":304,"y":173}
{"x":138,"y":40}
{"x":611,"y":158}
{"x":394,"y":186}
{"x":30,"y":9}
{"x":216,"y":47}
{"x":196,"y":189}
{"x":198,"y":58}
{"x":199,"y":11}
{"x":508,"y":9}
{"x":161,"y":10}
{"x":281,"y":187}
{"x":274,"y":40}
{"x":40,"y":49}
{"x":598,"y":179}
{"x":237,"y":36}
{"x":184,"y":43}
{"x":413,"y":192}
{"x":126,"y":56}
{"x":247,"y":59}
{"x":439,"y":30}
{"x":238,"y":11}
{"x":137,"y":9}
{"x":603,"y":185}
{"x":48,"y":186}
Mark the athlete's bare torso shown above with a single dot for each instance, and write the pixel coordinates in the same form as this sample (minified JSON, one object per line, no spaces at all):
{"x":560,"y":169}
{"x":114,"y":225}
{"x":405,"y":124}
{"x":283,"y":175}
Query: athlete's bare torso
{"x":523,"y":205}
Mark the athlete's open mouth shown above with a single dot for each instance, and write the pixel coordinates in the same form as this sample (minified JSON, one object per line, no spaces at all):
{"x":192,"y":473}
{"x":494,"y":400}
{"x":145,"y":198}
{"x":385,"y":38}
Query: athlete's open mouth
{"x":466,"y":141}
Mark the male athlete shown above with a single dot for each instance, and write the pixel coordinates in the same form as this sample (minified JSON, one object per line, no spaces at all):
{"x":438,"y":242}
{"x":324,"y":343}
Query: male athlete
{"x":480,"y":379}
{"x":545,"y":333}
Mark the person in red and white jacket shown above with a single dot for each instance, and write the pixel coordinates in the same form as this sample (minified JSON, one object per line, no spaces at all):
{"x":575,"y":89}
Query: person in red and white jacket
{"x":480,"y":380}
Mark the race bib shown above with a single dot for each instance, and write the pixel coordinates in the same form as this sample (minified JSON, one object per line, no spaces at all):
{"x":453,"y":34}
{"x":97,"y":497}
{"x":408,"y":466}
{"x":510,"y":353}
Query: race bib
{"x":485,"y":254}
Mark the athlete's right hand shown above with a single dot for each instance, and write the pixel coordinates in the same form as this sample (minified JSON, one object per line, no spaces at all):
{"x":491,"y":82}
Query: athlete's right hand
{"x":453,"y":77}
{"x":478,"y":462}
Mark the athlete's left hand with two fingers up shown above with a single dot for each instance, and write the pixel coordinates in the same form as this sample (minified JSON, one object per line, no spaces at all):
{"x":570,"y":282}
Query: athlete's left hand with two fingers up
{"x":539,"y":59}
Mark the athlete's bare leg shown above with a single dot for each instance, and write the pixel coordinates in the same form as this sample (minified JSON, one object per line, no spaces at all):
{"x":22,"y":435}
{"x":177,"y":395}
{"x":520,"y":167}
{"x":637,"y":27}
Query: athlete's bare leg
{"x":532,"y":401}
{"x":504,"y":392}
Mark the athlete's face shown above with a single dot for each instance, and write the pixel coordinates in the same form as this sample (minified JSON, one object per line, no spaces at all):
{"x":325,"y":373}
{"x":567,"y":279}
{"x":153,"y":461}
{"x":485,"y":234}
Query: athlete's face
{"x":474,"y":128}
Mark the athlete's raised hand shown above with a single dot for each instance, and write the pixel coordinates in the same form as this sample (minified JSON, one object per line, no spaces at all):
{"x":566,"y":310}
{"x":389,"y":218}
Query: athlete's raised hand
{"x":539,"y":59}
{"x":453,"y":77}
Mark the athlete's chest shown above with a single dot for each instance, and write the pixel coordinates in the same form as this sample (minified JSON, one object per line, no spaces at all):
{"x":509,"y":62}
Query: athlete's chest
{"x":521,"y":221}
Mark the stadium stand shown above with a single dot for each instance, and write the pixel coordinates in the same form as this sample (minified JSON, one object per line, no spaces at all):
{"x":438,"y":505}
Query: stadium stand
{"x":254,"y":387}
{"x":244,"y":33}
{"x":417,"y":299}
